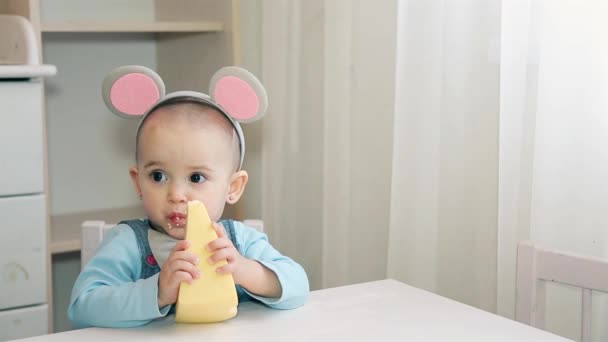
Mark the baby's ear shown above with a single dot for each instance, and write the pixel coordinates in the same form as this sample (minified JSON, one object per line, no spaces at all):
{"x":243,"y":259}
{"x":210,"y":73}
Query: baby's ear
{"x":240,"y":94}
{"x":130,"y":91}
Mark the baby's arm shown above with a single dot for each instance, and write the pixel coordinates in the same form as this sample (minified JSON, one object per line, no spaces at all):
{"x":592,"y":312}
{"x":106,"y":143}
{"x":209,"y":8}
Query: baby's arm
{"x":247,"y":273}
{"x":291,"y":276}
{"x":108,"y":291}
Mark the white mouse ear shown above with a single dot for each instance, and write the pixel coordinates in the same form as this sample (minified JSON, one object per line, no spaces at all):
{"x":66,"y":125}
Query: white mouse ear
{"x":130,"y":91}
{"x":240,"y":94}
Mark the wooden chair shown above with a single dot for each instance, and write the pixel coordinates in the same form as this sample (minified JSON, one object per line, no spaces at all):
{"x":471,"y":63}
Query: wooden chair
{"x":537,"y":265}
{"x":93,"y":232}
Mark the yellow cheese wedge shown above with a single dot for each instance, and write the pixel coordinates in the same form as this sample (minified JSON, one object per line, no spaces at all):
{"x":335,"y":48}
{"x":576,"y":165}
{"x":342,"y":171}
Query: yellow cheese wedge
{"x":211,"y":297}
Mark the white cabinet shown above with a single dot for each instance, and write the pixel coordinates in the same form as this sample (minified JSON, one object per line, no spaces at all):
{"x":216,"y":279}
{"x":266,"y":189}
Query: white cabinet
{"x":23,"y":246}
{"x":23,"y":234}
{"x":21,"y":138}
{"x":24,"y":322}
{"x":23,"y":272}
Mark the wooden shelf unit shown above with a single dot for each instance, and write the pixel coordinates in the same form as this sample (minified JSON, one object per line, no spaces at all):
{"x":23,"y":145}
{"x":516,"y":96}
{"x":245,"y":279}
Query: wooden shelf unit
{"x":133,"y":27}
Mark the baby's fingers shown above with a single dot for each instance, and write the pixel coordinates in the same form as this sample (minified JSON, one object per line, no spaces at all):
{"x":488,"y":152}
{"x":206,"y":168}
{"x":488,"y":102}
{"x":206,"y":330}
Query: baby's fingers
{"x":222,"y":254}
{"x":219,"y":243}
{"x":219,"y":229}
{"x":179,"y":266}
{"x":228,"y":268}
{"x":179,"y":277}
{"x":185,"y":256}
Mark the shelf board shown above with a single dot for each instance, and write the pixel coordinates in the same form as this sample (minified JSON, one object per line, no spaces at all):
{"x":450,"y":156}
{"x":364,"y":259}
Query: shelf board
{"x":133,"y":27}
{"x":65,"y":229}
{"x":27,"y":71}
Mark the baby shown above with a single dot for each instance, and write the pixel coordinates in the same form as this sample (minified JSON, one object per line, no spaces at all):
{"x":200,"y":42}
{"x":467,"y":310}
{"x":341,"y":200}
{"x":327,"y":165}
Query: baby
{"x":189,"y":146}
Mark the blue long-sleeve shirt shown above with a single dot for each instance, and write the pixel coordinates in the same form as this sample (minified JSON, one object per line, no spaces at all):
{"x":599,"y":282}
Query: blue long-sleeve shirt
{"x":109,"y":292}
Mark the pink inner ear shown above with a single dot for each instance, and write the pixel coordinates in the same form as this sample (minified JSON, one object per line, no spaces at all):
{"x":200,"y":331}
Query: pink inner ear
{"x":236,"y":97}
{"x":134,"y":94}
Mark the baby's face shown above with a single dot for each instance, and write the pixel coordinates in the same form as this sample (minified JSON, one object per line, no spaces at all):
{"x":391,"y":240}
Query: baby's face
{"x":180,"y":161}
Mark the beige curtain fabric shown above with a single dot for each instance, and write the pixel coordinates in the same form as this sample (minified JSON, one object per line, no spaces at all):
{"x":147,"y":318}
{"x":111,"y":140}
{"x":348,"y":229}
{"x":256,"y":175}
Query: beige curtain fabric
{"x":329,"y":70}
{"x":444,"y":184}
{"x":422,"y":139}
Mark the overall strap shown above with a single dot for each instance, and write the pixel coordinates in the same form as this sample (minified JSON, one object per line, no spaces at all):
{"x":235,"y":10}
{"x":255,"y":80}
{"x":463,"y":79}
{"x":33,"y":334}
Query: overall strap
{"x":149,"y":266}
{"x":229,"y":227}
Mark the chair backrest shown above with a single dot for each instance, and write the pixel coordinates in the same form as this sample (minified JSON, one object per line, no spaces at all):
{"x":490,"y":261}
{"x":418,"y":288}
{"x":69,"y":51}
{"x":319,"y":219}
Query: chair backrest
{"x":537,"y":265}
{"x":93,"y":232}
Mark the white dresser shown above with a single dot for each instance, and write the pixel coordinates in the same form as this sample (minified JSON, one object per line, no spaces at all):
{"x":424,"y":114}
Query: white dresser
{"x":23,"y":231}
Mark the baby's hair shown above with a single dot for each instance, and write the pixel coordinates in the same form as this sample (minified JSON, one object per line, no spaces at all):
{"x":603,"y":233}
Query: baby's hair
{"x":197,"y":113}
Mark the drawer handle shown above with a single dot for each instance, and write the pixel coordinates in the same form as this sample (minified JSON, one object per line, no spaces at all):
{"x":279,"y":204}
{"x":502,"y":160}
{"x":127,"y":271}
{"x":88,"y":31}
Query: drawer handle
{"x":12,"y":270}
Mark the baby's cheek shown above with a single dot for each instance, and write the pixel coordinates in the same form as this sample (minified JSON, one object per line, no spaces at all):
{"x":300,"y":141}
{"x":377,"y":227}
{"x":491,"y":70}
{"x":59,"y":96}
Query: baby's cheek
{"x":217,"y":214}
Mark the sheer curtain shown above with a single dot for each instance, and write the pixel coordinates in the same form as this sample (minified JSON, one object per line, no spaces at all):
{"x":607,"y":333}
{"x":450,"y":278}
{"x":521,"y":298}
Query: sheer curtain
{"x":444,"y":180}
{"x":500,"y":136}
{"x":553,"y":156}
{"x":328,"y":66}
{"x":422,"y":139}
{"x":341,"y":167}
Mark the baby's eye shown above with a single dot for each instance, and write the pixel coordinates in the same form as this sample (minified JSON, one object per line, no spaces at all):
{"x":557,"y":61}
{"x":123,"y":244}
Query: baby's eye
{"x":158,"y":176}
{"x":197,"y":178}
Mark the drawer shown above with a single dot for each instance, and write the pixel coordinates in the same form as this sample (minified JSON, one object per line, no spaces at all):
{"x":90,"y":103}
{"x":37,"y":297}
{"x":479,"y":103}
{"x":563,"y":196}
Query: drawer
{"x":22,"y":323}
{"x":21,"y":137}
{"x":23,"y":254}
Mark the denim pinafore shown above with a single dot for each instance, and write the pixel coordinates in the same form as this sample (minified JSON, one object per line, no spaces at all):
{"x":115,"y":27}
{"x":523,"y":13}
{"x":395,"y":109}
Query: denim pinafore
{"x":150,"y":267}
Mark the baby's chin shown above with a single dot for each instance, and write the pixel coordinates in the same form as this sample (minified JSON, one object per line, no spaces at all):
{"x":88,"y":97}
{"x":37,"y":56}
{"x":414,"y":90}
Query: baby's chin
{"x":176,"y":232}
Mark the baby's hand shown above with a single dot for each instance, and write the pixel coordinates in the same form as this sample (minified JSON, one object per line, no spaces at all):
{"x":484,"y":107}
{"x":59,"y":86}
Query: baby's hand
{"x":223,"y":249}
{"x":180,"y":266}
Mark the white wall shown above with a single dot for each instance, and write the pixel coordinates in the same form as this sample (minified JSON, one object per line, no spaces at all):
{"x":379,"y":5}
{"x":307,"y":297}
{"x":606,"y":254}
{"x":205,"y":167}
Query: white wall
{"x":96,"y":10}
{"x":89,"y":149}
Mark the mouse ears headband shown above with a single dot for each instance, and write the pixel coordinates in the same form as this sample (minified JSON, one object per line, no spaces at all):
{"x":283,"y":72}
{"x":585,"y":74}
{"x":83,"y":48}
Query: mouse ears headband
{"x":135,"y":91}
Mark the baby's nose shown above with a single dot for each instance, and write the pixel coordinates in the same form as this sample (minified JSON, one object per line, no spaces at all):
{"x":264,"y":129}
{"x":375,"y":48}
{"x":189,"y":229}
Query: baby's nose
{"x":177,"y":194}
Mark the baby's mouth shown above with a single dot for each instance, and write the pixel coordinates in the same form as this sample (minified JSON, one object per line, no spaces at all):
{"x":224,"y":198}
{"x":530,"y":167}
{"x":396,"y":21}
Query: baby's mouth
{"x":177,"y":220}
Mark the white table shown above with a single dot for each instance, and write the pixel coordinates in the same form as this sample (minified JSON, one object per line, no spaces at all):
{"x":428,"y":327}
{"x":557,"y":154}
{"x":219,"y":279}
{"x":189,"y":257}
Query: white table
{"x":384,"y":310}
